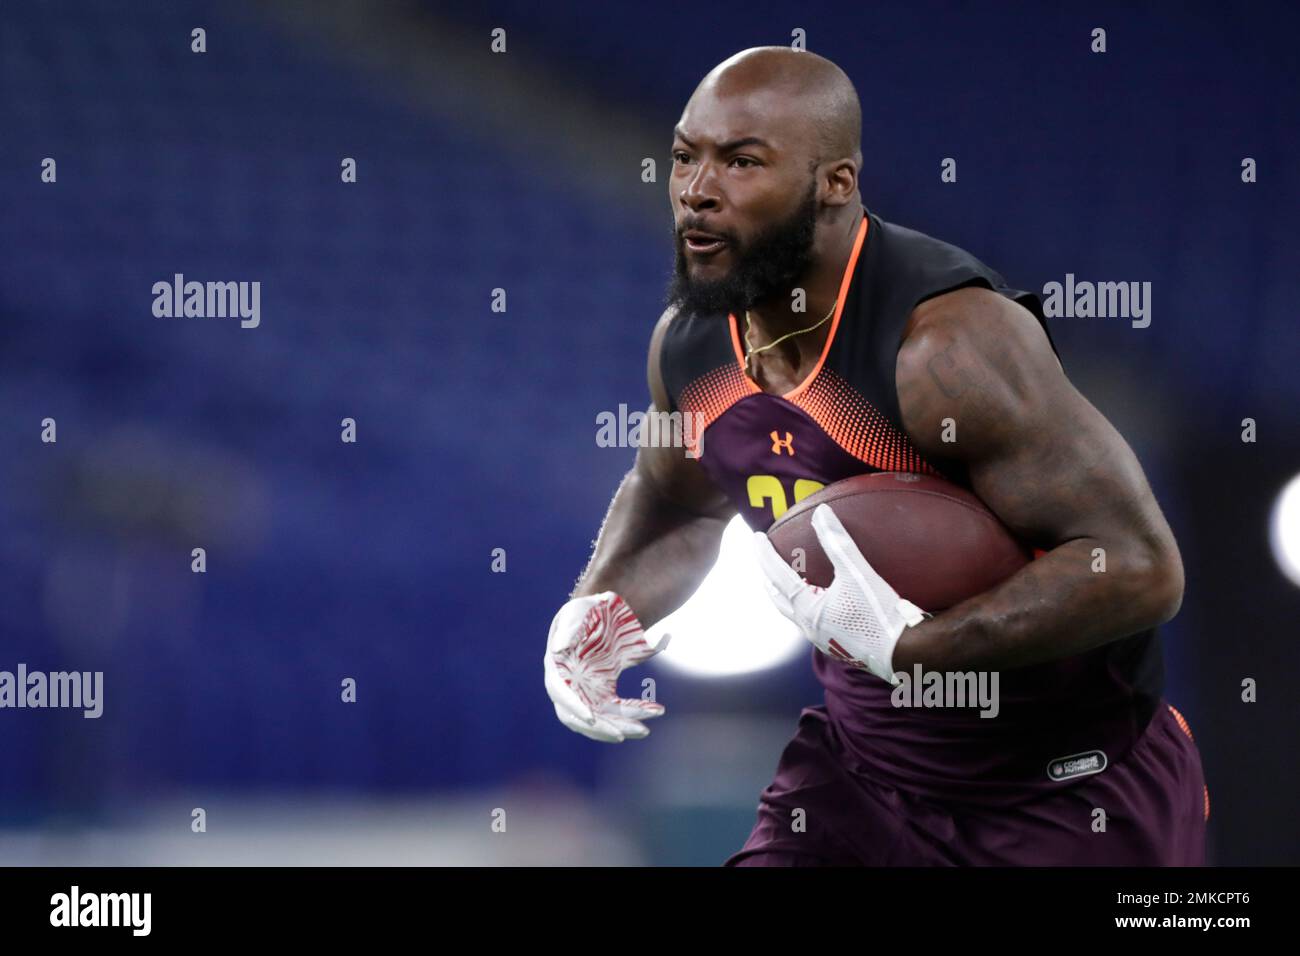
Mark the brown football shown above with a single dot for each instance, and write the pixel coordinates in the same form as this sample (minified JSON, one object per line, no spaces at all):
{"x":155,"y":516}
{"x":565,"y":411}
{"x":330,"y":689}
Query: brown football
{"x":933,"y":541}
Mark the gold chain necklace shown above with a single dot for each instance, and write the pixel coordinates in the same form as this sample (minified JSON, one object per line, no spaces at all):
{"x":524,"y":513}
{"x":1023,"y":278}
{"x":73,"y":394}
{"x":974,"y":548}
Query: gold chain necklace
{"x":750,"y":351}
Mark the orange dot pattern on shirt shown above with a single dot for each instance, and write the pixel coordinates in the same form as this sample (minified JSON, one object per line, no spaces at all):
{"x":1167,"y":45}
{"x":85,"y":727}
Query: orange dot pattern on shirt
{"x":857,"y":426}
{"x":714,"y":392}
{"x":1182,"y":722}
{"x":837,"y":408}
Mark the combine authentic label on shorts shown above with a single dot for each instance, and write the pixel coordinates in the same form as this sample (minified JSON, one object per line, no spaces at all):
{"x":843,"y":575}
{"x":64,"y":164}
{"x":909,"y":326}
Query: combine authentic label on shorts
{"x":1077,"y":765}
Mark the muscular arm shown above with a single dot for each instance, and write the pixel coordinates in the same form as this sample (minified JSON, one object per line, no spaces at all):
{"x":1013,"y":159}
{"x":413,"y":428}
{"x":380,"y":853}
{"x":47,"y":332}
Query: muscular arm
{"x":663,"y":528}
{"x":1056,"y":473}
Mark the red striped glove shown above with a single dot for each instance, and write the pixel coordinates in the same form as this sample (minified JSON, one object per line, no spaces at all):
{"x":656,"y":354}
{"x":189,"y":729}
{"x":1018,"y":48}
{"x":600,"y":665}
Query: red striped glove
{"x":593,"y":639}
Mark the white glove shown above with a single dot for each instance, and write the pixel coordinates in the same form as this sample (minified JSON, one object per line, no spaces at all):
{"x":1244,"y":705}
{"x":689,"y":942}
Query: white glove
{"x":859,"y":618}
{"x":594,"y":639}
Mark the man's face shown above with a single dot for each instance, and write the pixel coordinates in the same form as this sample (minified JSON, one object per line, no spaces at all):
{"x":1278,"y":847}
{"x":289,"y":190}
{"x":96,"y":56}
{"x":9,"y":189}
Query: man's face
{"x":740,"y":235}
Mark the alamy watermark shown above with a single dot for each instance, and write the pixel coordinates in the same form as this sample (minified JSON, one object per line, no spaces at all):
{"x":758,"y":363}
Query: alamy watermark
{"x":637,"y":429}
{"x":1103,"y":300}
{"x":212,"y":300}
{"x":945,"y":689}
{"x":129,"y":910}
{"x":70,"y":689}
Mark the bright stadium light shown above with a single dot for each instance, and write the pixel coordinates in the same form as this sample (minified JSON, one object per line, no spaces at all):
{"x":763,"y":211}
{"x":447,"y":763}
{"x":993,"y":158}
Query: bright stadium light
{"x":1284,"y":530}
{"x":729,"y":626}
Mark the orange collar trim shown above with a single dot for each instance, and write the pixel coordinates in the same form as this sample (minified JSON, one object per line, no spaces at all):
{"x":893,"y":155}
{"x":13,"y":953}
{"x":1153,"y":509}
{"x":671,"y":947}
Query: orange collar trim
{"x":845,"y":282}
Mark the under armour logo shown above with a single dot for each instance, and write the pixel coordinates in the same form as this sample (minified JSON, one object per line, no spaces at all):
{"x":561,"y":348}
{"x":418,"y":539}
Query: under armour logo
{"x":778,"y":444}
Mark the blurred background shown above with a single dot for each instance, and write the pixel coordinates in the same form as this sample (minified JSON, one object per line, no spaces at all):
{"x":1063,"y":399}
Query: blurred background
{"x":522,"y":171}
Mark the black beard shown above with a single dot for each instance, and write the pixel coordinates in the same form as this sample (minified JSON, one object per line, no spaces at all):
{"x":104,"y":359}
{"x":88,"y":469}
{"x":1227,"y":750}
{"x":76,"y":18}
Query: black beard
{"x":768,"y":266}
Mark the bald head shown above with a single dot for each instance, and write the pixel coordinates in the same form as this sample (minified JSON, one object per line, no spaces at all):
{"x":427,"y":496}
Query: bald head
{"x":764,"y":186}
{"x":804,"y":87}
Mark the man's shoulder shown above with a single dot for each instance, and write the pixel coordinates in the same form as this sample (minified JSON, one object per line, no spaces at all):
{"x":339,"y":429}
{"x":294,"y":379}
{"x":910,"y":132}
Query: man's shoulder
{"x":687,"y":346}
{"x":662,"y":324}
{"x":921,"y":252}
{"x":681,"y":331}
{"x":921,"y":268}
